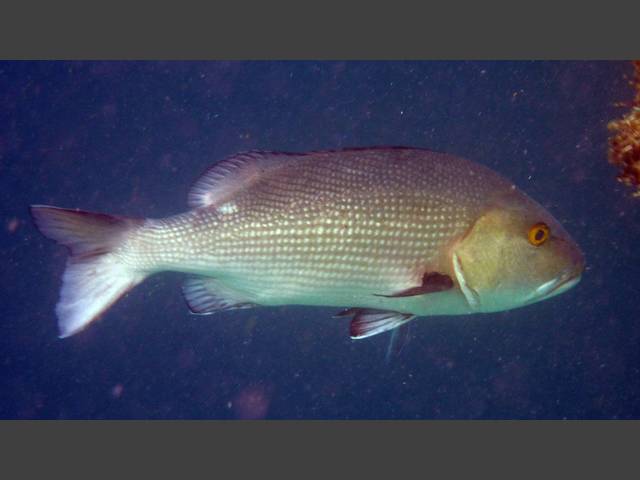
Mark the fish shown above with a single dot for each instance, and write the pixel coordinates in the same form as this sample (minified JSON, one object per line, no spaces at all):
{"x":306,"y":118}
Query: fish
{"x":385,"y":234}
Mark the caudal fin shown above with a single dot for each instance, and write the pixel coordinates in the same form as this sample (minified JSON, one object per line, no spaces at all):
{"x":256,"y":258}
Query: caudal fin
{"x":95,"y":278}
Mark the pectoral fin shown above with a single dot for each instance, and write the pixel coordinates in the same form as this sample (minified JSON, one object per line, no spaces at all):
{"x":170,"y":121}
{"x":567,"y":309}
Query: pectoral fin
{"x":367,"y":322}
{"x":431,"y":282}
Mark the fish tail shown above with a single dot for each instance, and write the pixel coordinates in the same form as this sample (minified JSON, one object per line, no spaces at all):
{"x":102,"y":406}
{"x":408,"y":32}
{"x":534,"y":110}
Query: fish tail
{"x":95,"y":276}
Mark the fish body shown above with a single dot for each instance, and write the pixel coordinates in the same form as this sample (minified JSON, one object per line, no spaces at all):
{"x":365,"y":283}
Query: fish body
{"x":390,"y":233}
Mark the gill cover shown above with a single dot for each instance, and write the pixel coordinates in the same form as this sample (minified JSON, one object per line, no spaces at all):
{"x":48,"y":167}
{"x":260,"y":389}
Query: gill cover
{"x":498,"y":268}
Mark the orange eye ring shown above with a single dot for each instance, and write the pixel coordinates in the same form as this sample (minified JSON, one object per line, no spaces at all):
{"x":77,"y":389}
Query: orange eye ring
{"x":538,"y":234}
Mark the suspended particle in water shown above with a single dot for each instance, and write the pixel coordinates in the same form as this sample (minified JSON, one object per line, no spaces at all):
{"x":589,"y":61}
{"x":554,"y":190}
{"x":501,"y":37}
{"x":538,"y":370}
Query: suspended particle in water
{"x":252,"y":403}
{"x":116,"y":391}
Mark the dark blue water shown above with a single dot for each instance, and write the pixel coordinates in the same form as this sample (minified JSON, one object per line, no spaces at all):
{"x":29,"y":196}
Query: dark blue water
{"x":130,"y":138}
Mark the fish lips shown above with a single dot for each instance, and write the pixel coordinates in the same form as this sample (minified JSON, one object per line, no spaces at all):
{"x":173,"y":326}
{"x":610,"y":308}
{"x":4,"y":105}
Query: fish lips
{"x":566,"y":279}
{"x":563,"y":282}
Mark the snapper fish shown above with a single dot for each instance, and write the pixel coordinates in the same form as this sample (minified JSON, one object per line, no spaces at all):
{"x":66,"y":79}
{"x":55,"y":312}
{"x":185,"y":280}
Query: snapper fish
{"x":387,"y":233}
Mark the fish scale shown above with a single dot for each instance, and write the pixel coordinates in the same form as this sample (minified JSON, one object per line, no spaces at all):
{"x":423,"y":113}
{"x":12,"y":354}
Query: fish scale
{"x":322,"y":223}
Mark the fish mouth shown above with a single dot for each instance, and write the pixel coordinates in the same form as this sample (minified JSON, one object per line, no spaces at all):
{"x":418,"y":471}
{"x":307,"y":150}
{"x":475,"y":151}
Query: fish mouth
{"x":563,"y":282}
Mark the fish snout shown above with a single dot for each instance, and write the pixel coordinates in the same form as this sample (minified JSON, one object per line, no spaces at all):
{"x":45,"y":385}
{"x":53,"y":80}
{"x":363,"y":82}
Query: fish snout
{"x":567,"y":278}
{"x":577,"y":261}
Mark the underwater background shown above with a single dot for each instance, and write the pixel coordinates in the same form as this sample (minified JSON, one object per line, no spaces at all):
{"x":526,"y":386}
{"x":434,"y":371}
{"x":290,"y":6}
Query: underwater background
{"x":130,"y":138}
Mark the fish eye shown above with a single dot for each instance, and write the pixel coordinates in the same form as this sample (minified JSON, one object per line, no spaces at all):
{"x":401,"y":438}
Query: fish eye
{"x":538,"y":234}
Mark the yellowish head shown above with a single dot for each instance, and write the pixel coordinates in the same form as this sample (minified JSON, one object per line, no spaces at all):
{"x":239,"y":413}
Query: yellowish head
{"x":515,"y":254}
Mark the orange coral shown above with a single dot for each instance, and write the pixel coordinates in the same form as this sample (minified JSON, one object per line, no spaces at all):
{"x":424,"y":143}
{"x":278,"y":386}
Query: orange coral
{"x":624,"y":143}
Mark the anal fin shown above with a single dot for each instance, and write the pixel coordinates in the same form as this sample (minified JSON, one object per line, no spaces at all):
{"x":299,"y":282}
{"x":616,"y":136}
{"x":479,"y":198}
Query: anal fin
{"x":399,"y":338}
{"x":367,"y":322}
{"x":206,"y":295}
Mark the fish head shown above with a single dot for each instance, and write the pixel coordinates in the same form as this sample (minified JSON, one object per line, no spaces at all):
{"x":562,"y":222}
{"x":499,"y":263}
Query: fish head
{"x":514,"y":254}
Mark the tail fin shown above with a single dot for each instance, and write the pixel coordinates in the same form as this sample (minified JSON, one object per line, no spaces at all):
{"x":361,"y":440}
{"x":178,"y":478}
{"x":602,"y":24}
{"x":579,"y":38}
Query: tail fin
{"x":95,"y":278}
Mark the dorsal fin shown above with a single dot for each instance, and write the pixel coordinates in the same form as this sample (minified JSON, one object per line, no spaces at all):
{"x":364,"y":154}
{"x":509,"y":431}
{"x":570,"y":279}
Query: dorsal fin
{"x":227,"y":177}
{"x":221,"y":181}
